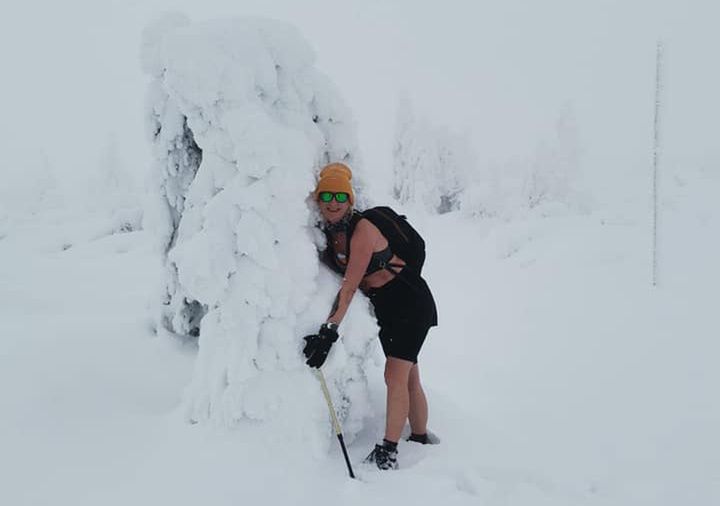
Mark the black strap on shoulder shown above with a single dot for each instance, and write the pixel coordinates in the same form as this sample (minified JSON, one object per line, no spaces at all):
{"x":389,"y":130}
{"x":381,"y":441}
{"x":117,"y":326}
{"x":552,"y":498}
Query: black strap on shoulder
{"x":390,"y":267}
{"x":354,"y":219}
{"x":346,"y":225}
{"x":402,"y":270}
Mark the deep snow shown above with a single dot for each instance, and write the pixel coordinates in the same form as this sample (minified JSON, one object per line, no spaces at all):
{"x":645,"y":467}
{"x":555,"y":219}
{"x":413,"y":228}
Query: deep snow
{"x":558,"y":375}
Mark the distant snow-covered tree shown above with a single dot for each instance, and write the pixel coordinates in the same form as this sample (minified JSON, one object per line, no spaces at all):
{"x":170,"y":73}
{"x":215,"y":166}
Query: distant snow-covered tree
{"x":431,"y":164}
{"x":554,"y":170}
{"x":546,"y":178}
{"x":240,"y":121}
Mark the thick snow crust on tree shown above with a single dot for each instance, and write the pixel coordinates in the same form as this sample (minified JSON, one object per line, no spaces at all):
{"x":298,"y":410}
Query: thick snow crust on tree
{"x":241,"y":122}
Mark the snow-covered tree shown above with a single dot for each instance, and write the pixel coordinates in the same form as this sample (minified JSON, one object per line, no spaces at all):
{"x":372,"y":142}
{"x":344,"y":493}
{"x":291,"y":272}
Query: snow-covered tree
{"x":547,"y":177}
{"x":431,"y":164}
{"x":240,"y":122}
{"x":554,"y":171}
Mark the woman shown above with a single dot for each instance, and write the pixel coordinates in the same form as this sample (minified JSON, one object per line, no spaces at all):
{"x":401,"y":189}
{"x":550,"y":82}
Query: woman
{"x":404,"y":307}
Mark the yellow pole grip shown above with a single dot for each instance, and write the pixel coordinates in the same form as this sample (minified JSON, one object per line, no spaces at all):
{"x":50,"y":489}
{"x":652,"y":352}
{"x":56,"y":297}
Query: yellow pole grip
{"x":331,"y":408}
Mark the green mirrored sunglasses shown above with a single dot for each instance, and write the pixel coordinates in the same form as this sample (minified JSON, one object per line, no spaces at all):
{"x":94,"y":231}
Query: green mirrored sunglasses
{"x":340,"y":197}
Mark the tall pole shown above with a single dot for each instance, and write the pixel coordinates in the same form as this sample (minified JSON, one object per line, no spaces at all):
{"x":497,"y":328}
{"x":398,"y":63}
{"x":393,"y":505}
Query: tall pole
{"x":656,"y":157}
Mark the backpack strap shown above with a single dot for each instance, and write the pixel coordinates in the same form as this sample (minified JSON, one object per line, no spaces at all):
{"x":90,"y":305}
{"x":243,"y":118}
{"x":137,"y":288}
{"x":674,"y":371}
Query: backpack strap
{"x":403,"y":270}
{"x":354,"y":220}
{"x":357,"y":216}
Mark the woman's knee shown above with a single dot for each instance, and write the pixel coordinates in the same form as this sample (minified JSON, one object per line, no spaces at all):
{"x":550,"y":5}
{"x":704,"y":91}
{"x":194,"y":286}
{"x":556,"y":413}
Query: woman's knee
{"x":414,"y":379}
{"x":397,"y":372}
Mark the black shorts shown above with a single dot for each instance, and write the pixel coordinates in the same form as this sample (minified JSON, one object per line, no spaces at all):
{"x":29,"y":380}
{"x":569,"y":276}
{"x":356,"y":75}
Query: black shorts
{"x":405,"y":311}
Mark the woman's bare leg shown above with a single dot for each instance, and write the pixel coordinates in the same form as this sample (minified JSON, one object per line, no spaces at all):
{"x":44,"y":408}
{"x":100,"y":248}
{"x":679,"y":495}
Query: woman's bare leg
{"x":418,"y":412}
{"x":397,"y":373}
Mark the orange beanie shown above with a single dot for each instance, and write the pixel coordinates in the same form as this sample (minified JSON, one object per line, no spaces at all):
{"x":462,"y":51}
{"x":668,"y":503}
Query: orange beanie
{"x":335,"y":177}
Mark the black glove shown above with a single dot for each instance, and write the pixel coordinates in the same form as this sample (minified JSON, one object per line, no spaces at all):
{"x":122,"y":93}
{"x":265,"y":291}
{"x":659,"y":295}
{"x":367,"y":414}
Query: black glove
{"x":317,"y":346}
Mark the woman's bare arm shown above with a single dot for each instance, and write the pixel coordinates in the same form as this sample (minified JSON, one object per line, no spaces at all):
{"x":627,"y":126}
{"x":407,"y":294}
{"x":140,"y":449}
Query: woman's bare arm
{"x":361,"y":248}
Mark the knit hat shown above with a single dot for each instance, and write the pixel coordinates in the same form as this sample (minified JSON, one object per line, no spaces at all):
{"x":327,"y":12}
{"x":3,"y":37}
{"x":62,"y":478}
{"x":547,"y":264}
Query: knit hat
{"x":335,"y":177}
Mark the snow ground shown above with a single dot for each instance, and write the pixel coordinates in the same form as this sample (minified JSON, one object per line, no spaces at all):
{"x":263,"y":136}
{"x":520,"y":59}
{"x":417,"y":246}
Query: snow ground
{"x":558,"y":375}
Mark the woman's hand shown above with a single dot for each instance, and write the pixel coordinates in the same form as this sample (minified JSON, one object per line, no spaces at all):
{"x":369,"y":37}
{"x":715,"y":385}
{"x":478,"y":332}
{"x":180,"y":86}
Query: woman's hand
{"x":317,"y":346}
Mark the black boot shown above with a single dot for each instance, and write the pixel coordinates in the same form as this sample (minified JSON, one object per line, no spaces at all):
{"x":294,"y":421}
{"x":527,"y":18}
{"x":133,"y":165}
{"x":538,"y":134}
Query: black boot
{"x":419,"y":438}
{"x":384,"y":456}
{"x":426,"y":439}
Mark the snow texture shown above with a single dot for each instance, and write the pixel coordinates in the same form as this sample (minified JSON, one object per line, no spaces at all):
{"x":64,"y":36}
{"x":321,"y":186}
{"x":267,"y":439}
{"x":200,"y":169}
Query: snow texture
{"x":241,"y":121}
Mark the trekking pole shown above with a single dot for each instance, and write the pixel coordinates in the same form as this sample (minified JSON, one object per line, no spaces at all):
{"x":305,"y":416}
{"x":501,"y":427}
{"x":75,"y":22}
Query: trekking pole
{"x":336,"y":423}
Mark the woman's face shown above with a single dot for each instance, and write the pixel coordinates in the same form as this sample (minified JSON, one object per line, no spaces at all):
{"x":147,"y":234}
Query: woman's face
{"x":333,"y":211}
